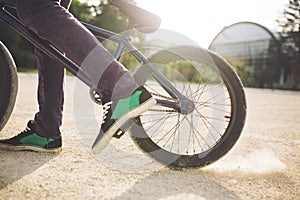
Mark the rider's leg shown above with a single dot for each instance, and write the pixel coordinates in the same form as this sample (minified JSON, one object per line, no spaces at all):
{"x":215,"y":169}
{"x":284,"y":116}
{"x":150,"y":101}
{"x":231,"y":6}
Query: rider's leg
{"x":50,"y":96}
{"x":55,"y":24}
{"x":50,"y":93}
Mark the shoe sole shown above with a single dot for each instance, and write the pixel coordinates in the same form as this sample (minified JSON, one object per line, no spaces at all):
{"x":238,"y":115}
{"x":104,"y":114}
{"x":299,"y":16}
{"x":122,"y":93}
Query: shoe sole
{"x":104,"y":141}
{"x":29,"y":148}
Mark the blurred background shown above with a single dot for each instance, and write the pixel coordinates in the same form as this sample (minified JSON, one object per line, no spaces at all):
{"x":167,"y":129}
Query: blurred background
{"x":260,"y":38}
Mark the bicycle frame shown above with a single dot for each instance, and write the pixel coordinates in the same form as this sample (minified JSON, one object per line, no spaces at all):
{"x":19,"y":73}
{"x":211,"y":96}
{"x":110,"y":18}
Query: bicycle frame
{"x":183,"y":103}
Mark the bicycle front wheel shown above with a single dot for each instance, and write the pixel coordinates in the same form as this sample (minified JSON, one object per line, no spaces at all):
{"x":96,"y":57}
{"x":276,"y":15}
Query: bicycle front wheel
{"x":202,"y":136}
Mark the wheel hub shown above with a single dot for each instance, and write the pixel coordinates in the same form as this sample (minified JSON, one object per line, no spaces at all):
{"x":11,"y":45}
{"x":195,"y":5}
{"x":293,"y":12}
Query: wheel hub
{"x":186,"y":107}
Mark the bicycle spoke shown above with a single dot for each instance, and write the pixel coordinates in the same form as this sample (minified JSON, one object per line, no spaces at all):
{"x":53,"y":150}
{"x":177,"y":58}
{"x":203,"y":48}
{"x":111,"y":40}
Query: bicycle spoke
{"x":199,"y":95}
{"x":187,"y":151}
{"x":198,"y":133}
{"x":193,"y":131}
{"x":174,"y":134}
{"x":204,"y":91}
{"x":212,"y":118}
{"x":168,"y":133}
{"x":215,"y":96}
{"x":163,"y":120}
{"x":216,"y":109}
{"x":208,"y":122}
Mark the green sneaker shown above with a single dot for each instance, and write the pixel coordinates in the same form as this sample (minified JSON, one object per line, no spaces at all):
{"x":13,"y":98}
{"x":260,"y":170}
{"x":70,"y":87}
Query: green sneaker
{"x":29,"y":140}
{"x":118,"y":113}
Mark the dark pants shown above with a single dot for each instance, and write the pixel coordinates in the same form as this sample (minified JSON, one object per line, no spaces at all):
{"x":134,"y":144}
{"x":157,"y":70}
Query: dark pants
{"x":51,"y":20}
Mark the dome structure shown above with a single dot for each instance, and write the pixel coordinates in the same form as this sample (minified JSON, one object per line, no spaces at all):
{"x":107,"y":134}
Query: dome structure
{"x":247,"y":41}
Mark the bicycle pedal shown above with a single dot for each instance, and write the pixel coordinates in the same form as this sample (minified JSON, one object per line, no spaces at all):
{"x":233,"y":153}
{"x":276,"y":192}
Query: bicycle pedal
{"x":119,"y":134}
{"x":123,"y":129}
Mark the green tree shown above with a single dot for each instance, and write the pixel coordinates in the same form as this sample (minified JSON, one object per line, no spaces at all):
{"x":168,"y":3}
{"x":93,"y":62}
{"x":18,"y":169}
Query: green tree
{"x":22,"y":51}
{"x":289,"y":23}
{"x":109,"y":18}
{"x":82,"y":11}
{"x":247,"y":76}
{"x":290,"y":19}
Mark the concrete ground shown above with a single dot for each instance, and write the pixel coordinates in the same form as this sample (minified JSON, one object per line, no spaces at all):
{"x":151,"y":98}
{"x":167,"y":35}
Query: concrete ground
{"x":264,"y":164}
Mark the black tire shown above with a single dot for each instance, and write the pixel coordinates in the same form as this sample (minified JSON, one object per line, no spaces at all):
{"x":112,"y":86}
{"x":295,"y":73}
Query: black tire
{"x":233,"y":123}
{"x":8,"y":85}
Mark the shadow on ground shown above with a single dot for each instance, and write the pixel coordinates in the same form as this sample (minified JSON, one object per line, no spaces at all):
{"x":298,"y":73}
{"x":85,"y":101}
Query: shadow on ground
{"x":15,"y":165}
{"x":169,"y":184}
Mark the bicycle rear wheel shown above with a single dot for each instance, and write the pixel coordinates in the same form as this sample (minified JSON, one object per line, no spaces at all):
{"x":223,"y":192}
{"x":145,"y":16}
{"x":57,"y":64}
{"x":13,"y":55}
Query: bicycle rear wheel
{"x":203,"y":136}
{"x":8,"y":85}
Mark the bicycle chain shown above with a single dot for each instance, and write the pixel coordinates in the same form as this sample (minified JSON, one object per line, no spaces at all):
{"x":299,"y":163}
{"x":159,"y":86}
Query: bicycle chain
{"x":97,"y":100}
{"x":165,"y":97}
{"x":159,"y":95}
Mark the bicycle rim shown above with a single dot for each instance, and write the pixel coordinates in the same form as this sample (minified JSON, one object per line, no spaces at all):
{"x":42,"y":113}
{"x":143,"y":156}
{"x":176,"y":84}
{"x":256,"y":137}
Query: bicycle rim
{"x":204,"y":135}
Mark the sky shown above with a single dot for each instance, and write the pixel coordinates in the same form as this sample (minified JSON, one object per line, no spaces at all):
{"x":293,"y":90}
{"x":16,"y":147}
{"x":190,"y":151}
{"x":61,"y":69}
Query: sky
{"x":203,"y":20}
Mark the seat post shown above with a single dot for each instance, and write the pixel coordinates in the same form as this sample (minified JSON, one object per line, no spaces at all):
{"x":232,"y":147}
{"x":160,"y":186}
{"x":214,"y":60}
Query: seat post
{"x":126,"y":34}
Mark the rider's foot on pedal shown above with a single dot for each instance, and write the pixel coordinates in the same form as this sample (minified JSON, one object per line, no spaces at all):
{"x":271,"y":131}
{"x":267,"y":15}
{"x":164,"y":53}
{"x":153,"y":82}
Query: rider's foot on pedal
{"x":116,"y":114}
{"x":29,"y":140}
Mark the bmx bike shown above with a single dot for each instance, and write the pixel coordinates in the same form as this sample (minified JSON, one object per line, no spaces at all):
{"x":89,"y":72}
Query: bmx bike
{"x":201,"y":105}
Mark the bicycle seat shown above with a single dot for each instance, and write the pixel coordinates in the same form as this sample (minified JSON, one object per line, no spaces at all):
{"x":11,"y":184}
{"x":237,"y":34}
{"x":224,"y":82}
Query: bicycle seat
{"x":143,"y":20}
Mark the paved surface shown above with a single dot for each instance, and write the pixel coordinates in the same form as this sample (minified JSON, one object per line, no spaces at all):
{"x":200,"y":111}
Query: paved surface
{"x":264,"y":164}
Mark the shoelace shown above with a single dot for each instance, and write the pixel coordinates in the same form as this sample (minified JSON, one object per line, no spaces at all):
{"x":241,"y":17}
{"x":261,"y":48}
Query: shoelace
{"x":27,"y":129}
{"x":105,"y":108}
{"x":25,"y":132}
